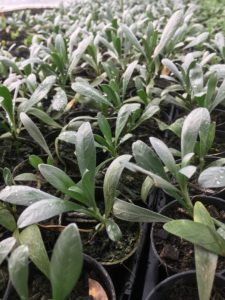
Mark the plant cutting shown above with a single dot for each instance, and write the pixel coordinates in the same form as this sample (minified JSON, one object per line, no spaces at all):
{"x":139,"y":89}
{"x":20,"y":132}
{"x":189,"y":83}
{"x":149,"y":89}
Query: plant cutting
{"x":42,"y":206}
{"x":191,"y":91}
{"x":10,"y":121}
{"x":128,"y":118}
{"x":83,"y":276}
{"x":67,"y":254}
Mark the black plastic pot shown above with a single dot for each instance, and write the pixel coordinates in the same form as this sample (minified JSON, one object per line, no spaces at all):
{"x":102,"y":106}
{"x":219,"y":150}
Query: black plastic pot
{"x":168,"y":269}
{"x":155,"y":269}
{"x":143,"y":263}
{"x":166,"y":288}
{"x":91,"y":266}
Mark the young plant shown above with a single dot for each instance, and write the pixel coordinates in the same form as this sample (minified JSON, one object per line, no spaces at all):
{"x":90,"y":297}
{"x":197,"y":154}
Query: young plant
{"x":191,"y":82}
{"x":130,"y":116}
{"x":205,"y":232}
{"x":79,"y":197}
{"x":9,"y":105}
{"x":67,"y":254}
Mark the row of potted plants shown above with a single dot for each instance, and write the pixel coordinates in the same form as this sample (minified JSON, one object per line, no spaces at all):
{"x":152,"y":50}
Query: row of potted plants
{"x":100,"y":108}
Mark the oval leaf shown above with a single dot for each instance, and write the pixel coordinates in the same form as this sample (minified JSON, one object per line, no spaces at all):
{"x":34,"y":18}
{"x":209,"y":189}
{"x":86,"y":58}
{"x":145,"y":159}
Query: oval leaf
{"x":67,"y":255}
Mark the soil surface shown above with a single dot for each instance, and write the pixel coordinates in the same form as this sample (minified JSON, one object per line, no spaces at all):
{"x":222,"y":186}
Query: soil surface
{"x":176,"y":253}
{"x":181,"y":291}
{"x":99,"y":246}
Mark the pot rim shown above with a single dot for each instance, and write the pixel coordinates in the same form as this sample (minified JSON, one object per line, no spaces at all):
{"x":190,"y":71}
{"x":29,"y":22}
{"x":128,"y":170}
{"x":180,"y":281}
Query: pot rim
{"x":161,"y":261}
{"x":171,"y":279}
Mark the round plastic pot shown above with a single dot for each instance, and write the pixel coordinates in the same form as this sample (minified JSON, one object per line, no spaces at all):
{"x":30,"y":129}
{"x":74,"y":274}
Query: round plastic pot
{"x":165,"y":289}
{"x":90,"y":266}
{"x":206,"y":200}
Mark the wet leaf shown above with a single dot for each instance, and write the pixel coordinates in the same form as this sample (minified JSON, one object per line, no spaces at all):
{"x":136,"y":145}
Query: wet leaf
{"x":212,"y":177}
{"x":45,"y":209}
{"x":23,"y":195}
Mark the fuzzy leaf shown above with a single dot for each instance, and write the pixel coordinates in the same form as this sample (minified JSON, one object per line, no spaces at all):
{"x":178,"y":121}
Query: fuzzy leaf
{"x":31,"y":237}
{"x":6,"y":102}
{"x":205,"y":261}
{"x":18,"y":271}
{"x":44,"y":117}
{"x":173,"y":68}
{"x":86,"y":151}
{"x":127,"y":76}
{"x":87,"y":90}
{"x":191,"y":127}
{"x":113,"y":230}
{"x":188,"y":171}
{"x":40,"y":93}
{"x":132,"y":213}
{"x":77,"y":54}
{"x":164,"y":154}
{"x":67,"y":255}
{"x":198,"y":234}
{"x":7,"y":219}
{"x":23,"y":195}
{"x":45,"y":209}
{"x":122,"y":118}
{"x":111,"y":181}
{"x":168,"y":32}
{"x":132,"y":38}
{"x":198,"y":40}
{"x":212,"y":177}
{"x":147,"y":159}
{"x":5,"y":247}
{"x":56,"y":177}
{"x":34,"y":132}
{"x":196,"y":79}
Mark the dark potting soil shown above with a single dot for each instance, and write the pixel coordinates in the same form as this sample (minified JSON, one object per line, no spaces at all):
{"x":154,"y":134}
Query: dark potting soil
{"x":181,"y":290}
{"x":177,"y":253}
{"x":100,"y":247}
{"x":130,"y":186}
{"x":4,"y":276}
{"x":40,"y":288}
{"x":7,"y":41}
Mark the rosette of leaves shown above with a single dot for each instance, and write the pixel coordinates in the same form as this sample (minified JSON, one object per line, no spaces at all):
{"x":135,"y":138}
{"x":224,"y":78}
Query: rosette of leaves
{"x":79,"y":197}
{"x":191,"y":88}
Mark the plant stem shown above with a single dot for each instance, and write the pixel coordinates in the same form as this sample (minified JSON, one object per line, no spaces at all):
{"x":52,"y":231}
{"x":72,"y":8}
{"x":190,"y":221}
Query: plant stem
{"x":187,"y":199}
